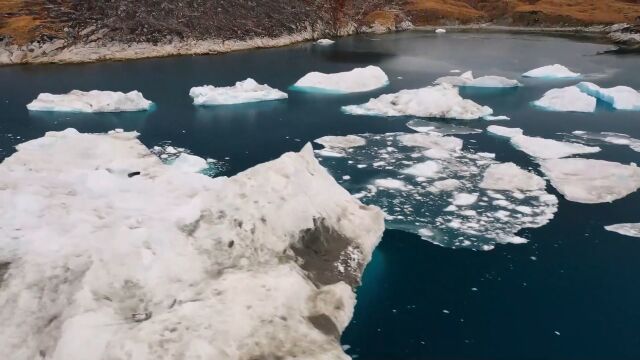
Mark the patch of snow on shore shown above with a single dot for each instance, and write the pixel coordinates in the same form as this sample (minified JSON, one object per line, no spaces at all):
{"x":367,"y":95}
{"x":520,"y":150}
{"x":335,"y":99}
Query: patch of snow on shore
{"x":246,"y":91}
{"x":94,"y":101}
{"x":356,"y":80}
{"x":440,"y":101}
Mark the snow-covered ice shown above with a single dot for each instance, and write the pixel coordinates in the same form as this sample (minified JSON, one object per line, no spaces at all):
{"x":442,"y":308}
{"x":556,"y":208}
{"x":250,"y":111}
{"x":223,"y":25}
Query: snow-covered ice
{"x":620,"y":97}
{"x":246,"y":91}
{"x":592,"y":181}
{"x":570,"y":98}
{"x":428,"y":184}
{"x":190,"y":163}
{"x":632,"y":229}
{"x":609,"y":138}
{"x":441,"y":31}
{"x":468,"y":80}
{"x":338,"y":146}
{"x":325,"y":42}
{"x":91,"y":101}
{"x":356,"y":80}
{"x":173,"y":264}
{"x":181,"y":158}
{"x":440,"y":127}
{"x":440,"y":101}
{"x":496,"y":118}
{"x":541,"y":148}
{"x":556,"y":71}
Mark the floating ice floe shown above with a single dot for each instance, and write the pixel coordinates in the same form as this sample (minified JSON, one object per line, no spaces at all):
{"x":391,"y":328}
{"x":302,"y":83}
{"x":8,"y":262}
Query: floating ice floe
{"x":592,"y":181}
{"x":570,"y":98}
{"x":440,"y":101}
{"x":632,"y":229}
{"x":442,"y":128}
{"x":246,"y":91}
{"x":609,"y":138}
{"x":181,"y":159}
{"x":552,"y":72}
{"x":496,"y":118}
{"x":427,"y":184}
{"x":468,"y":80}
{"x":337,"y":145}
{"x":325,"y":42}
{"x":541,"y":148}
{"x":356,"y":80}
{"x":441,"y":31}
{"x":620,"y":97}
{"x":171,"y":264}
{"x":91,"y":101}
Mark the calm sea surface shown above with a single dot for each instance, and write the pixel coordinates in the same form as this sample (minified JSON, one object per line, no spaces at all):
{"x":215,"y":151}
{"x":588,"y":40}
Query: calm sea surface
{"x":572,"y":292}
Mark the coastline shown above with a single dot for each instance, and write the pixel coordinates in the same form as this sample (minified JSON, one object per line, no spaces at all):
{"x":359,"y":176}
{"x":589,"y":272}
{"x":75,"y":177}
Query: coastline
{"x":58,"y":52}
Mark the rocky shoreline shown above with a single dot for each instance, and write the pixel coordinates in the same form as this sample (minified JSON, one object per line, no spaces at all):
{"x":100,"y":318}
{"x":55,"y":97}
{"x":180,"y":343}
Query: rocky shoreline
{"x":97,"y":49}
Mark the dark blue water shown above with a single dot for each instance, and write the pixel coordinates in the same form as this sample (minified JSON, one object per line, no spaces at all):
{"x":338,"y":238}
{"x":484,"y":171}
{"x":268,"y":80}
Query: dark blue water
{"x":572,"y":278}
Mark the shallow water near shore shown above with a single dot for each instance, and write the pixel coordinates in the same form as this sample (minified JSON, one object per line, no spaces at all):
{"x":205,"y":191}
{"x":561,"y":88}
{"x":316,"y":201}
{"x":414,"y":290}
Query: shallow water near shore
{"x":571,"y":292}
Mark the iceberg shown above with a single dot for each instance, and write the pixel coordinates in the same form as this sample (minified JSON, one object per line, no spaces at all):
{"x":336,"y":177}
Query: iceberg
{"x":625,"y":229}
{"x":440,"y":101}
{"x":325,"y":42}
{"x":591,"y":181}
{"x":620,"y":97}
{"x":173,"y":264}
{"x":430,"y":185}
{"x":541,"y":148}
{"x":496,"y":118}
{"x":91,"y":102}
{"x":468,"y":80}
{"x":356,"y":80}
{"x":556,"y":71}
{"x":246,"y":91}
{"x":441,"y":31}
{"x":570,"y":98}
{"x":190,"y":163}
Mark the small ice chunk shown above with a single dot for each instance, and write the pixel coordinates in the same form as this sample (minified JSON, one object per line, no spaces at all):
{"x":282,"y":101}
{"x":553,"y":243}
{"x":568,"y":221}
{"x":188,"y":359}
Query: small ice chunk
{"x":455,"y":71}
{"x":342,"y":142}
{"x":91,"y":101}
{"x":440,"y":31}
{"x":508,"y":176}
{"x":440,"y":101}
{"x":620,"y":97}
{"x":446,"y":185}
{"x":551,"y":72}
{"x":390,"y":184}
{"x":189,"y":163}
{"x":325,"y":42}
{"x":592,"y":181}
{"x":630,"y":229}
{"x":496,"y":118}
{"x":504,"y":131}
{"x":569,"y":98}
{"x":464,"y":199}
{"x":467,"y":80}
{"x":427,"y":169}
{"x":242,"y":92}
{"x":356,"y":80}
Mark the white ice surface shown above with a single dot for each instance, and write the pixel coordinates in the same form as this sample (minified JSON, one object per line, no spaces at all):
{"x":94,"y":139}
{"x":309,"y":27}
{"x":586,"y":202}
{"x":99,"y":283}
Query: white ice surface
{"x":541,"y":148}
{"x":508,"y":176}
{"x":620,"y":97}
{"x":171,"y":264}
{"x":190,"y":163}
{"x":441,"y":31}
{"x":632,"y":229}
{"x":356,"y":80}
{"x":609,"y":138}
{"x":440,"y":101}
{"x":91,"y":101}
{"x":246,"y":91}
{"x":325,"y":42}
{"x":592,"y":181}
{"x":496,"y":118}
{"x":569,"y":98}
{"x":551,"y":72}
{"x":468,"y":80}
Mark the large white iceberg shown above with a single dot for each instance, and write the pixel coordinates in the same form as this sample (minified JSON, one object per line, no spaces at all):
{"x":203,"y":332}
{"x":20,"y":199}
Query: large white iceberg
{"x":592,"y":181}
{"x":552,"y":72}
{"x":468,"y":80}
{"x":356,"y":80}
{"x":113,"y":255}
{"x":440,"y":101}
{"x":91,"y":101}
{"x":620,"y":97}
{"x":242,"y":92}
{"x":632,"y":229}
{"x":570,"y":98}
{"x":541,"y":148}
